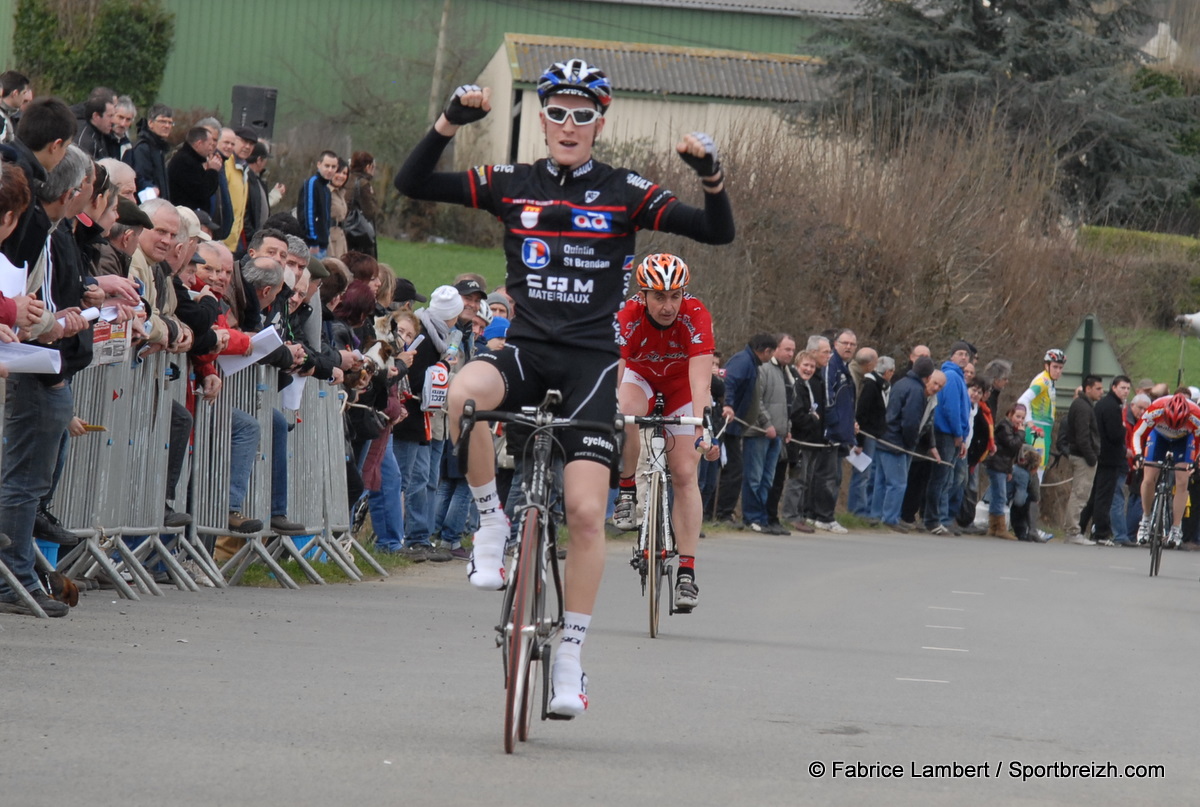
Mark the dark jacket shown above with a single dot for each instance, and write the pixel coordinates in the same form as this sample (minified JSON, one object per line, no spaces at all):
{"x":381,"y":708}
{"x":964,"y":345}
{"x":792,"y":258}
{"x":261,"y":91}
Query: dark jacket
{"x":839,"y":402}
{"x":741,"y":378}
{"x":199,"y":315}
{"x":807,"y":423}
{"x":982,"y":432}
{"x":29,"y":239}
{"x":96,"y":144}
{"x":191,"y":184}
{"x":258,"y":204}
{"x":906,"y":407}
{"x":1083,"y":435}
{"x":149,"y":161}
{"x":312,"y":210}
{"x":66,"y":290}
{"x":412,"y":428}
{"x":1008,"y":445}
{"x":871,"y":411}
{"x":1111,"y":424}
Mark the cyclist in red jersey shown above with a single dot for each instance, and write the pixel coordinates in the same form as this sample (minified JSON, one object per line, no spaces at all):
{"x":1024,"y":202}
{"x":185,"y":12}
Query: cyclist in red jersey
{"x":1172,"y":423}
{"x":667,"y":343}
{"x":570,"y":225}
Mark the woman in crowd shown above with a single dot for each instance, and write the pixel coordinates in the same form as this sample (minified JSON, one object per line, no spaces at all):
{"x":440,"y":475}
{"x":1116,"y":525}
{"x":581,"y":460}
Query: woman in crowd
{"x":338,"y":210}
{"x":1010,"y":436}
{"x":360,"y":196}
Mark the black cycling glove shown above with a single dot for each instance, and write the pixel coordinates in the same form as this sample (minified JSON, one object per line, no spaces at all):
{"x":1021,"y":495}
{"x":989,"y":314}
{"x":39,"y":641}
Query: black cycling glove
{"x":461,"y":115}
{"x":705,"y":166}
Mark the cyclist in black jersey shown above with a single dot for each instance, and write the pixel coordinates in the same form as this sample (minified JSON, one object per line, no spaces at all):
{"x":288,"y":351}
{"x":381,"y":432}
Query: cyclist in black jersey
{"x":570,"y":228}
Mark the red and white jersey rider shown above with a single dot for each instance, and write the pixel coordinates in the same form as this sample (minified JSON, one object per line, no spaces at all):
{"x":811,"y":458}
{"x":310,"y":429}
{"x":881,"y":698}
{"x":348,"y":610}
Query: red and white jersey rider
{"x":1171,"y":423}
{"x":657,"y":358}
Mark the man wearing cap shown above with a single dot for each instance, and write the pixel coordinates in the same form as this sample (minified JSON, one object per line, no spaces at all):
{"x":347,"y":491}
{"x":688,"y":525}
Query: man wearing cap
{"x":149,"y":156}
{"x":473,"y":292}
{"x":406,"y":293}
{"x":115,"y":253}
{"x":236,"y":170}
{"x":951,"y":425}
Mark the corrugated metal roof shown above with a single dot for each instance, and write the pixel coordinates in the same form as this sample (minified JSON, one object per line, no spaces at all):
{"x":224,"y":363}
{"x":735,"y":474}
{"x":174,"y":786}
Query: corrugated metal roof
{"x":787,"y":8}
{"x":666,"y":70}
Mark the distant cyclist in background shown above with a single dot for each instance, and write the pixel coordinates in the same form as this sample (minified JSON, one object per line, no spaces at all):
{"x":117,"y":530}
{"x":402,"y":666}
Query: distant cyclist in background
{"x":666,"y":346}
{"x":570,"y":229}
{"x":1172,"y":423}
{"x":1038,"y":401}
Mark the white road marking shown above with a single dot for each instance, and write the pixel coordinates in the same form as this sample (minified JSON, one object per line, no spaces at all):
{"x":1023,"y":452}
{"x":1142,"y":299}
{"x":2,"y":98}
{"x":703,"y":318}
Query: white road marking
{"x":924,"y":680}
{"x":948,"y":649}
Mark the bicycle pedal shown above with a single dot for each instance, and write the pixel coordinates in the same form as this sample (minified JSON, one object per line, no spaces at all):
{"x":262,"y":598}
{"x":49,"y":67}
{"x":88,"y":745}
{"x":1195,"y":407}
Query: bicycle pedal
{"x":553,"y":716}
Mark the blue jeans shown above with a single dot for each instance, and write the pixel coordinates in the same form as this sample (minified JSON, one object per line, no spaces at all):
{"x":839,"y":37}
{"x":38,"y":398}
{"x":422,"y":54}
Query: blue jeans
{"x":1018,"y":486}
{"x":35,"y":417}
{"x":997,"y":491}
{"x":1119,"y":512}
{"x":891,"y":480}
{"x":279,"y":463}
{"x":413,"y":459}
{"x":241,"y":457}
{"x":861,"y":484}
{"x":387,"y":512}
{"x":760,"y":455}
{"x":941,"y":480}
{"x":455,"y":510}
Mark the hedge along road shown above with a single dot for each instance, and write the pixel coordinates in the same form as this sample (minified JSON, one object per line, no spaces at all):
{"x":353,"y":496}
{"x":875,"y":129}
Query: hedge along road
{"x":808,"y":655}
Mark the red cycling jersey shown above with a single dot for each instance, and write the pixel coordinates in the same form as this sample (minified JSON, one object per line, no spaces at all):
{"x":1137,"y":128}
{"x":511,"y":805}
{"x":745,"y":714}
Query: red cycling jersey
{"x":1155,"y":418}
{"x":663,"y":353}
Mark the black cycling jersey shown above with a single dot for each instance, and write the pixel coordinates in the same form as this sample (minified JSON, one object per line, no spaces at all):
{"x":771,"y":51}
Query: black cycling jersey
{"x":569,"y":235}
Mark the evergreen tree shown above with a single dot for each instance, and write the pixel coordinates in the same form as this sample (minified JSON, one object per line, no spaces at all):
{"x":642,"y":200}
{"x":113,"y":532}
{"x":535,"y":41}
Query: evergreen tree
{"x":1059,"y":71}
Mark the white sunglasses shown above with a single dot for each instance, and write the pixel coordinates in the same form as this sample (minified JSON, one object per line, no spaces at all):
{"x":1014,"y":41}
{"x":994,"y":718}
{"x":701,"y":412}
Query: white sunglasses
{"x":582,"y":116}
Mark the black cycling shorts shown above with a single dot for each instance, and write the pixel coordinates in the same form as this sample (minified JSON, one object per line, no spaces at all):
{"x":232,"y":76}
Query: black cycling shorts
{"x":586,"y":378}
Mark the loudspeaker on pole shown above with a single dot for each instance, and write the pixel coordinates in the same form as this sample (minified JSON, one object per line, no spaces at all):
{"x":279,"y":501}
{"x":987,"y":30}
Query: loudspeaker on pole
{"x":254,"y":107}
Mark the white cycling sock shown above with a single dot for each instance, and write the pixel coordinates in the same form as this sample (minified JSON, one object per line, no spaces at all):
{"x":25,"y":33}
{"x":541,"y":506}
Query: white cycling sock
{"x":493,"y":525}
{"x":575,"y":627}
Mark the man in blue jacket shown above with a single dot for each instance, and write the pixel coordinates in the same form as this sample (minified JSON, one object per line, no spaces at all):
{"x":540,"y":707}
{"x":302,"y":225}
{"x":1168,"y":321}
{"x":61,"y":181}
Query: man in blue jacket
{"x":741,"y":381}
{"x":312,"y":208}
{"x":951,"y":426}
{"x":907,"y":410}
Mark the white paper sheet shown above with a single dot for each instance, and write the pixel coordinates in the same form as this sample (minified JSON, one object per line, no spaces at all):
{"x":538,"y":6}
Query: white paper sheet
{"x":262,"y":344}
{"x":22,"y":358}
{"x":291,"y":395}
{"x":12,"y":279}
{"x":860,"y":460}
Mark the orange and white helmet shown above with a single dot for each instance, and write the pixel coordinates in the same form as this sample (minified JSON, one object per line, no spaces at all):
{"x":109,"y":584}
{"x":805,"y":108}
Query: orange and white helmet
{"x":662,"y":271}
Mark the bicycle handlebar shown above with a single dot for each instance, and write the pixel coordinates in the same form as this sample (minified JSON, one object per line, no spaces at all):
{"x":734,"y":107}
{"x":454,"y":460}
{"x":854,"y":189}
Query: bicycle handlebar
{"x":659,"y":420}
{"x":557,"y":423}
{"x":1169,"y":466}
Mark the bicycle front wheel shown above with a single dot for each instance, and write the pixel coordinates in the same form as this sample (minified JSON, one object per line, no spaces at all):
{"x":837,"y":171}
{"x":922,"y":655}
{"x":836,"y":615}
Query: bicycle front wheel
{"x":654,"y":519}
{"x":1158,"y":531}
{"x":521,"y":628}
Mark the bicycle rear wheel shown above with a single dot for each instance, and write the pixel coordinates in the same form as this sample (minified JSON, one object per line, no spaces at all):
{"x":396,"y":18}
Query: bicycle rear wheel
{"x":654,"y":517}
{"x":521,"y":634}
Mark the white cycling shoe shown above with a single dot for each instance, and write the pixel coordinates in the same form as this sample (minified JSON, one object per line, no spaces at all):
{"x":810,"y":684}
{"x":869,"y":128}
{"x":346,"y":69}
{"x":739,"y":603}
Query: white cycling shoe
{"x":486,"y":568}
{"x":568,"y":691}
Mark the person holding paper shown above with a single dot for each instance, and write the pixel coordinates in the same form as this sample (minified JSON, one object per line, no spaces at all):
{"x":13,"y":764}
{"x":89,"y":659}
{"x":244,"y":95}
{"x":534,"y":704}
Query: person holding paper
{"x":41,"y":406}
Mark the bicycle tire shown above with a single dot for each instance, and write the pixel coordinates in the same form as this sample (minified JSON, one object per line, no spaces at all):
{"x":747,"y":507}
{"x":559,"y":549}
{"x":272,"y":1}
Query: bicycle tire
{"x":653,"y":519}
{"x":1158,"y":529}
{"x":520,"y":636}
{"x":539,"y":650}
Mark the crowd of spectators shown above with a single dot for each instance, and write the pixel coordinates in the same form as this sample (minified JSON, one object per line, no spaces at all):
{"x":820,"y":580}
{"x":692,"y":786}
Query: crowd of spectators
{"x":183,"y":245}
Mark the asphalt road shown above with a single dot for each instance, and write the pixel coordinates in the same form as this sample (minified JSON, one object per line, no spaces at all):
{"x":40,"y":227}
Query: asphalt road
{"x":848,"y":652}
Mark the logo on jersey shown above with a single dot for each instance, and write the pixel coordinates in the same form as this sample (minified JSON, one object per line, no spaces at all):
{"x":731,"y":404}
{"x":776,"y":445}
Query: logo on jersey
{"x":481,"y":174}
{"x":627,"y":264}
{"x":529,"y":216}
{"x":591,"y":220}
{"x":591,"y":196}
{"x":535,"y":253}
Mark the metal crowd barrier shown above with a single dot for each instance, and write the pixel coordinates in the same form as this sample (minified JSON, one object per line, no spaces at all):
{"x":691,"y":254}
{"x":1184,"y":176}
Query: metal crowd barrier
{"x":112,"y":491}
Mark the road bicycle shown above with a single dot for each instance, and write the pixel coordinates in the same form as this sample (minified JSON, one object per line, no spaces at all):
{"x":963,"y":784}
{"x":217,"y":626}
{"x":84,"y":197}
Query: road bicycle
{"x":655,"y":548}
{"x":531,"y":616}
{"x":1161,"y":509}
